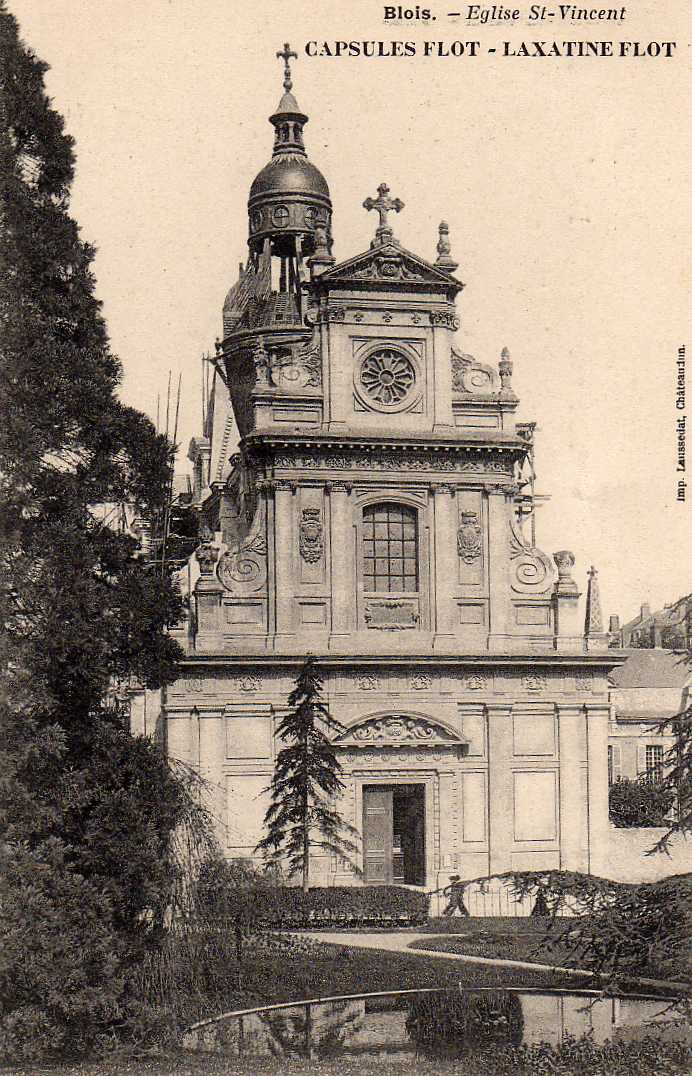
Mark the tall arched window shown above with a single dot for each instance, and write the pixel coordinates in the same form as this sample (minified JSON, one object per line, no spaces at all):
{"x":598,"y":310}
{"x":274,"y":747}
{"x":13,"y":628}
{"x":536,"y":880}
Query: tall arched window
{"x":390,"y":549}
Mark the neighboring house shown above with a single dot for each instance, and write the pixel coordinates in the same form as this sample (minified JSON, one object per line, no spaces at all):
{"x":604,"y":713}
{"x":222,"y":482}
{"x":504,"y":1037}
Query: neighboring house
{"x":669,"y":628}
{"x":651,"y":686}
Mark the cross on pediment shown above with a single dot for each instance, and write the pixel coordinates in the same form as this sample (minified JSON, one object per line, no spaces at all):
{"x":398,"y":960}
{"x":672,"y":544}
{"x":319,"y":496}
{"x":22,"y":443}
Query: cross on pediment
{"x":287,"y":55}
{"x":383,"y":204}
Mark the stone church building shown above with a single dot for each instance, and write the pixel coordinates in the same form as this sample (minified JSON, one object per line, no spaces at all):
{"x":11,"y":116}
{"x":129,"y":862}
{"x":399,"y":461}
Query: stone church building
{"x":364,"y":487}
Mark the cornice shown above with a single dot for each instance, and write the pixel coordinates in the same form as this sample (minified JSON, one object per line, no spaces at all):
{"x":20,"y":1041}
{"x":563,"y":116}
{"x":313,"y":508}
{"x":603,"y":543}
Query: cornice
{"x":613,"y":659}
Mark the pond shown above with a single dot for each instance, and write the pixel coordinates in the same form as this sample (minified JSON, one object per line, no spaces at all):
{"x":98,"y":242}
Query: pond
{"x":407,"y":1023}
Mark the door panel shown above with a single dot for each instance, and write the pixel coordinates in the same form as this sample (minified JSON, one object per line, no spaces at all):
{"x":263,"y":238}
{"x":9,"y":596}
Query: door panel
{"x":377,"y":834}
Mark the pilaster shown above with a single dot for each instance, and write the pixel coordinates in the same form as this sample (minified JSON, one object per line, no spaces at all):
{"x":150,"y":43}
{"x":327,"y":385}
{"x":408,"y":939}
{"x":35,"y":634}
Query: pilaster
{"x":443,"y":419}
{"x":284,"y":547}
{"x":573,"y":813}
{"x":445,"y":565}
{"x":343,"y":568}
{"x":500,"y":793}
{"x":597,"y":753}
{"x":498,"y":566}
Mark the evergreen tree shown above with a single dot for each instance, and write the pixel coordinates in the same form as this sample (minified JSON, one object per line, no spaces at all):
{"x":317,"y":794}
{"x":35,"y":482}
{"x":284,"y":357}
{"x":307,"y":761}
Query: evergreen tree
{"x":88,"y":814}
{"x":302,"y":814}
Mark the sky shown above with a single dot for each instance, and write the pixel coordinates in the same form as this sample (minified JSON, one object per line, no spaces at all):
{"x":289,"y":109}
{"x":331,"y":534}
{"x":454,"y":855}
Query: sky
{"x":564,"y":182}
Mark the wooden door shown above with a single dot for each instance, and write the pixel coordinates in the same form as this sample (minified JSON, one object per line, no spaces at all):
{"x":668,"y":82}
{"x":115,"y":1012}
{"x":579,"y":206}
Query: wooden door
{"x":377,"y":834}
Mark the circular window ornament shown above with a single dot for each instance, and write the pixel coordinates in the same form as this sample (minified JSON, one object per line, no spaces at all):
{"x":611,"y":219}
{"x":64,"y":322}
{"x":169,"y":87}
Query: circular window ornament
{"x":280,"y":216}
{"x":387,"y":377}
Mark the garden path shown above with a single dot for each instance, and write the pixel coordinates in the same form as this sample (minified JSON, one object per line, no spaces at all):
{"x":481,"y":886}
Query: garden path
{"x":395,"y":942}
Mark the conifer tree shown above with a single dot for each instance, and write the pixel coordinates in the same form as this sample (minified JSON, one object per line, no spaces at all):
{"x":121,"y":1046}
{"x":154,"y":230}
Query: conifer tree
{"x":87,"y":812}
{"x":302,"y":815}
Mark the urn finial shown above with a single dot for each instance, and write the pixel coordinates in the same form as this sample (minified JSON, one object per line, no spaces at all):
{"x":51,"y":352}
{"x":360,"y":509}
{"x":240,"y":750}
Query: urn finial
{"x":444,"y":249}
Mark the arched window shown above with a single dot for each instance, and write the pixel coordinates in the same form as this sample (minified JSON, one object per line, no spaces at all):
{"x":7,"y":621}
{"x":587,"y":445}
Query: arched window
{"x":390,"y":549}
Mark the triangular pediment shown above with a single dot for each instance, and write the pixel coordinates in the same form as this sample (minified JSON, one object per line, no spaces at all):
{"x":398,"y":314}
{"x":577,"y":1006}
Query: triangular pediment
{"x":394,"y":730}
{"x":390,"y":264}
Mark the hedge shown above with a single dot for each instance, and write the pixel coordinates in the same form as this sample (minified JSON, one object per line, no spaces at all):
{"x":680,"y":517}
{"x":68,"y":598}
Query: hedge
{"x":374,"y":905}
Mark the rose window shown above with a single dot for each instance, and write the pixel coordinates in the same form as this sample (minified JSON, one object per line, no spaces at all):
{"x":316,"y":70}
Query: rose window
{"x":387,"y":377}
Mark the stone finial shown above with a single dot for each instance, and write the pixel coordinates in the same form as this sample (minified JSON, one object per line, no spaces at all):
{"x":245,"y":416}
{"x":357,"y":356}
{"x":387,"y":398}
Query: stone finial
{"x":322,"y":257}
{"x":593,"y":624}
{"x":260,"y":359}
{"x":564,"y":559}
{"x":506,"y":367}
{"x":444,"y":249}
{"x":206,"y":555}
{"x":383,"y":204}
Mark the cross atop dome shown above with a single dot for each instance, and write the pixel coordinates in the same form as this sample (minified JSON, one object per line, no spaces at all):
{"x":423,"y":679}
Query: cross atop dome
{"x":384,"y":205}
{"x":287,"y":55}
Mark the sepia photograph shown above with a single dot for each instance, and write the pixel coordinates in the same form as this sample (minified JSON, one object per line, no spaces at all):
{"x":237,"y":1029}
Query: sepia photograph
{"x":345,"y":547}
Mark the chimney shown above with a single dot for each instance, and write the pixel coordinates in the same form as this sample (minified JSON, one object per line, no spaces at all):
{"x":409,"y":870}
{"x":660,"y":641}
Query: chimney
{"x":645,"y":611}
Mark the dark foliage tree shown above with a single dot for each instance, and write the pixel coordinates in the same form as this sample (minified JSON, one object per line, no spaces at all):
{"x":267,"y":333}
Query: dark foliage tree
{"x":676,"y":769}
{"x":88,"y":814}
{"x":302,"y":815}
{"x":639,"y":803}
{"x":613,"y":928}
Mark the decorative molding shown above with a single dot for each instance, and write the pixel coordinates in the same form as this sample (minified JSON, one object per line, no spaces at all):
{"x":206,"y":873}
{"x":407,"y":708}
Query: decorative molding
{"x":470,"y":376}
{"x":387,"y":267}
{"x":476,"y":682}
{"x":248,"y":683}
{"x":297,"y":367}
{"x":311,"y":535}
{"x":260,"y":358}
{"x":421,"y":682}
{"x":469,"y":538}
{"x":334,"y":313}
{"x":368,"y":682}
{"x":446,"y":318}
{"x":583,"y":683}
{"x":243,"y":569}
{"x":533,"y":682}
{"x":391,"y":614}
{"x":532,"y":572}
{"x":393,"y":458}
{"x":399,"y":730}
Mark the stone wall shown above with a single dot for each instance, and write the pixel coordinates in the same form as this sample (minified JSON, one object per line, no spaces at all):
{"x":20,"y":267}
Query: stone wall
{"x":627,"y":860}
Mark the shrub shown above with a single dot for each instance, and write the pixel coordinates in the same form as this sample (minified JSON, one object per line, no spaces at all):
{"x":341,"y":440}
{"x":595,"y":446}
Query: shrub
{"x":442,"y":1020}
{"x":385,"y":905}
{"x":638,"y":803}
{"x":62,"y":963}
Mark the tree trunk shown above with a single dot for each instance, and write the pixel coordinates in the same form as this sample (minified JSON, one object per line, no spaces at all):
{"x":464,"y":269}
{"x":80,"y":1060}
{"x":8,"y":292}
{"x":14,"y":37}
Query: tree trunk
{"x":306,"y":845}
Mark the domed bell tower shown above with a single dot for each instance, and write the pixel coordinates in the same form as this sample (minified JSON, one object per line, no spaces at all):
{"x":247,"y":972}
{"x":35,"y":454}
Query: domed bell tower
{"x":269,"y":356}
{"x":289,"y":198}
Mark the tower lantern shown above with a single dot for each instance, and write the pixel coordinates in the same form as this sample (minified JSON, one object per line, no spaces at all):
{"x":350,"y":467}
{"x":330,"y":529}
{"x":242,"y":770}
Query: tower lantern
{"x":289,"y":198}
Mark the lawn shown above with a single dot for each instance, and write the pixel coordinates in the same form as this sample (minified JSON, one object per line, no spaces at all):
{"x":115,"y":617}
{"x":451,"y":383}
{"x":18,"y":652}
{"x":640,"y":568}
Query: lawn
{"x":508,"y":939}
{"x":311,"y":970}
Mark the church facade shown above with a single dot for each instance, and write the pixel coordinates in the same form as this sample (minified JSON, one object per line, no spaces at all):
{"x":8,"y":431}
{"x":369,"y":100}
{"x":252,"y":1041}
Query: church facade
{"x":366,"y":497}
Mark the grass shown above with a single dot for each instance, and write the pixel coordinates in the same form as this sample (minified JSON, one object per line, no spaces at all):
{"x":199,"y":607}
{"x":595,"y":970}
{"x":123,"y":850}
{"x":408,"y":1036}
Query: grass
{"x":300,"y":968}
{"x":623,"y":1059}
{"x":507,"y":939}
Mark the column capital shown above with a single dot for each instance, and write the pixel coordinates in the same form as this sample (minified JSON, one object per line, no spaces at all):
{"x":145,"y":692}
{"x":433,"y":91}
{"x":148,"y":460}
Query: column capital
{"x":338,"y":487}
{"x":499,"y":708}
{"x":443,"y":487}
{"x":286,"y":485}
